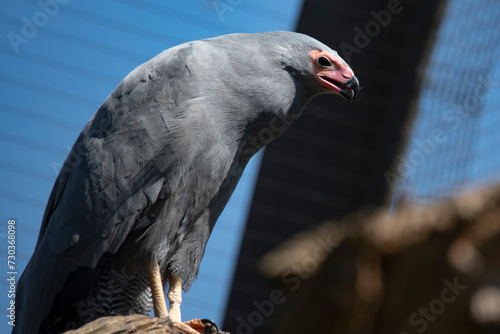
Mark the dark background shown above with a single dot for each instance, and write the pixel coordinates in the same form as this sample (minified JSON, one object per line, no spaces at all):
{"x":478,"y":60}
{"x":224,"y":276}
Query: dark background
{"x":332,"y":160}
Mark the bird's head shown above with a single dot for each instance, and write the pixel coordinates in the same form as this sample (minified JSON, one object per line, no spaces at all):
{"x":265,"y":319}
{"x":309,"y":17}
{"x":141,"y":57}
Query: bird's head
{"x":333,"y":74}
{"x":319,"y":68}
{"x":276,"y":72}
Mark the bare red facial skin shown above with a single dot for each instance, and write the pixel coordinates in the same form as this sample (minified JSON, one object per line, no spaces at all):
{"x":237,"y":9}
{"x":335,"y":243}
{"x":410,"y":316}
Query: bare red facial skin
{"x":334,"y":74}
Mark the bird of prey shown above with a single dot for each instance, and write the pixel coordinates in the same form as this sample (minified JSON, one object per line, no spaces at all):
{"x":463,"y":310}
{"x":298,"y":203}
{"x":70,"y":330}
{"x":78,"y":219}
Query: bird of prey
{"x":141,"y":190}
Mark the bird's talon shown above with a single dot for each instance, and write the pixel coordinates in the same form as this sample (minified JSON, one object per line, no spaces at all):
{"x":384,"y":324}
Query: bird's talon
{"x":198,"y":326}
{"x":210,"y":327}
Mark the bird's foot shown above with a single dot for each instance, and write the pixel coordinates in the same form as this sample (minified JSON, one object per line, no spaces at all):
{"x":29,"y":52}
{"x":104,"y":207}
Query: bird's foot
{"x":197,"y":326}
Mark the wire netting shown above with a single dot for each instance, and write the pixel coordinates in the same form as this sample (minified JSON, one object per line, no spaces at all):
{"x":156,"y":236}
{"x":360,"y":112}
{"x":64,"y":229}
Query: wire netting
{"x":455,"y":140}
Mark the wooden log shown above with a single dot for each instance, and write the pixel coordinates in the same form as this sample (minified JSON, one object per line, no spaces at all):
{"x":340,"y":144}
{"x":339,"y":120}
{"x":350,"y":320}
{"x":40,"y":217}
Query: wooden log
{"x":136,"y":324}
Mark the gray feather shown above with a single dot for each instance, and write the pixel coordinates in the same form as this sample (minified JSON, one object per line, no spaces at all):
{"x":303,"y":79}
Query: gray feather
{"x":153,"y":169}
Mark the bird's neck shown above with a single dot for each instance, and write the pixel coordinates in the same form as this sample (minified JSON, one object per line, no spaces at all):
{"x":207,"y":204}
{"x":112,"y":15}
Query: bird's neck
{"x":267,"y":125}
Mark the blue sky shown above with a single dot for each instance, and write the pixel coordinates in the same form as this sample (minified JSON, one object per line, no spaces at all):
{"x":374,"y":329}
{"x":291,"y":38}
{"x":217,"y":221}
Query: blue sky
{"x":60,"y":62}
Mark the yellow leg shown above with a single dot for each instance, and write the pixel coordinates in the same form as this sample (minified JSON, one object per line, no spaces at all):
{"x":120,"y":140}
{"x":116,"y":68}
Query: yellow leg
{"x":195,"y":326}
{"x":175,"y":297}
{"x":154,"y":277}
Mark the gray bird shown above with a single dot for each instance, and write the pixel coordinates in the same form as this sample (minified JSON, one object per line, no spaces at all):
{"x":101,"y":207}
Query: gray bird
{"x":140,"y":192}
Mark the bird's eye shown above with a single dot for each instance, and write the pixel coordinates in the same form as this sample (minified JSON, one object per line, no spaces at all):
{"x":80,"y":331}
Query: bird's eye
{"x":324,"y":62}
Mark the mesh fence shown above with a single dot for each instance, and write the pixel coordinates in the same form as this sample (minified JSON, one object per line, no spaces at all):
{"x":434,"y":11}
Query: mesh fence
{"x":455,"y":140}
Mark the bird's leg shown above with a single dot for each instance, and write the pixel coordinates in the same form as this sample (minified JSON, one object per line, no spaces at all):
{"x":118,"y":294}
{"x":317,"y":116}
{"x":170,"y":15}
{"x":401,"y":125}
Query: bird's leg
{"x":195,"y":326}
{"x":175,"y":297}
{"x":154,"y":277}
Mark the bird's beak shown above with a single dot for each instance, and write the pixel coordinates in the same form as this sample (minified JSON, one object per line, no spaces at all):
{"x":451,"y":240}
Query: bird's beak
{"x":350,"y":89}
{"x":347,"y":88}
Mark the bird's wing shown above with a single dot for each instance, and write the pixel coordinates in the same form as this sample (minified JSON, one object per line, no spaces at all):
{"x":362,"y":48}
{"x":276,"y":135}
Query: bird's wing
{"x":117,"y":165}
{"x":114,"y":171}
